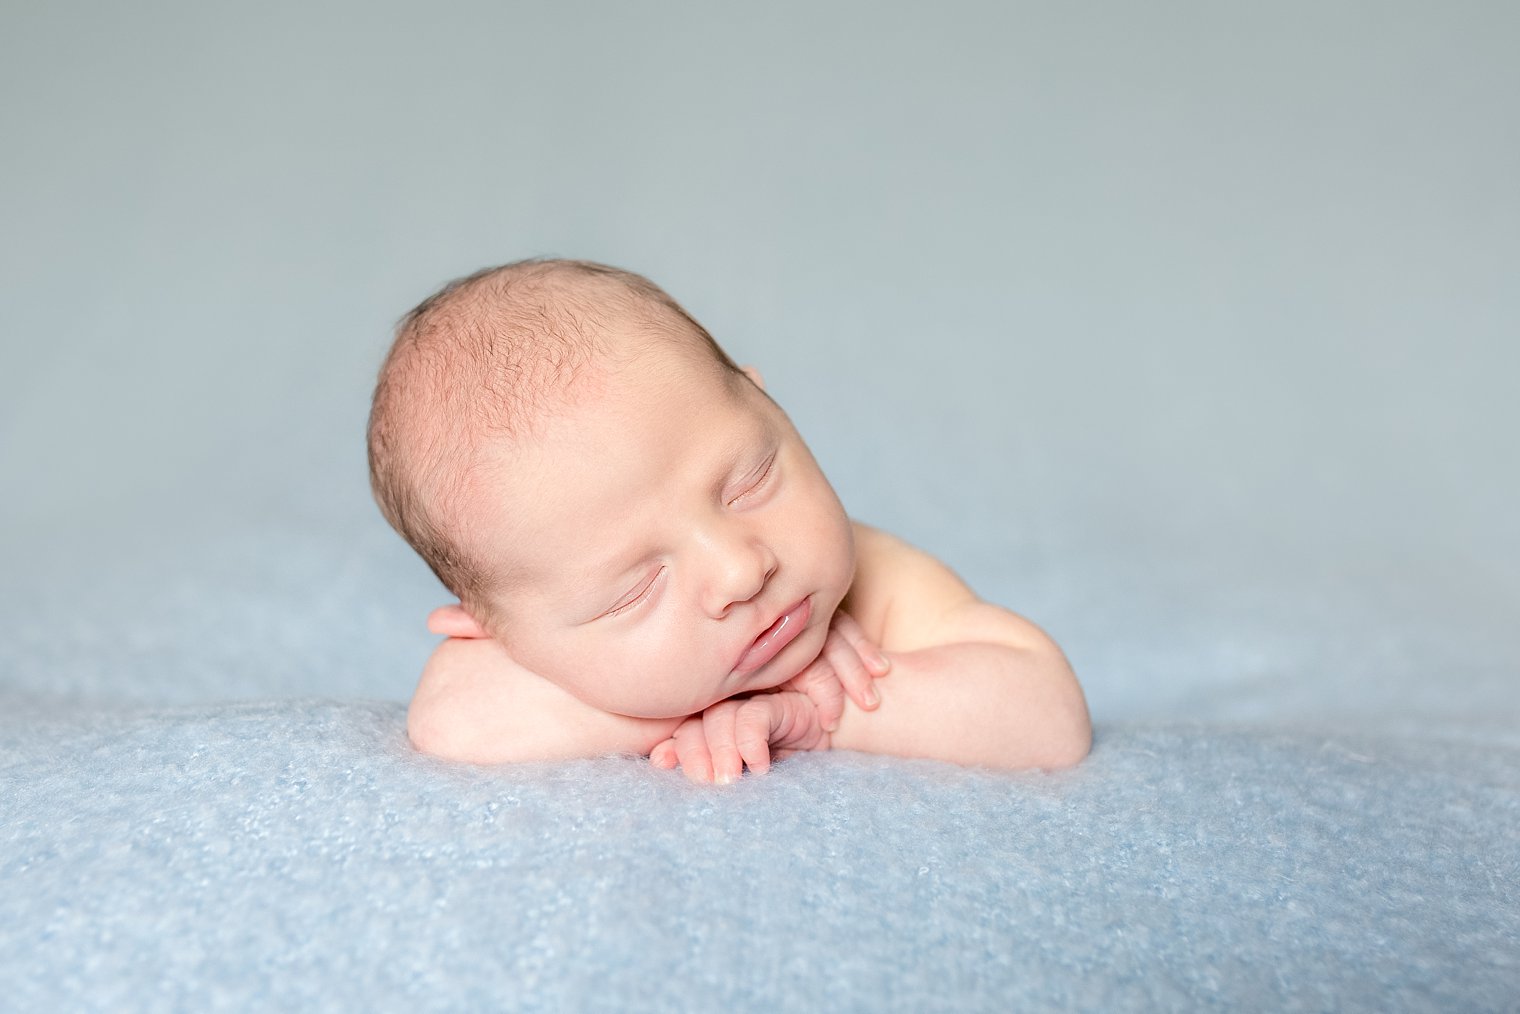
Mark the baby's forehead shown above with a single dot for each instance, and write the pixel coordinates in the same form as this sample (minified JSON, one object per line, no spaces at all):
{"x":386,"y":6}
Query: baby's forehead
{"x":615,"y":395}
{"x":617,"y":421}
{"x":576,"y":507}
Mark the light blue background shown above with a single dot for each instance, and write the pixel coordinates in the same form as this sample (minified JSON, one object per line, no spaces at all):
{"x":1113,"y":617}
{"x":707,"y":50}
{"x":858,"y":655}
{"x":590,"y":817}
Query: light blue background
{"x":1188,"y":331}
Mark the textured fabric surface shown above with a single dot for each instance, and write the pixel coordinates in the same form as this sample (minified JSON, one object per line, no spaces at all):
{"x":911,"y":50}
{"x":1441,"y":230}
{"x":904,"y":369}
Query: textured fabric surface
{"x":298,"y":855}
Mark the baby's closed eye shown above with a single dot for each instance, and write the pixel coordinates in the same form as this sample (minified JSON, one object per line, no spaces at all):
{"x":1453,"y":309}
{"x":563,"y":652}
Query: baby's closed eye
{"x":637,"y":594}
{"x":756,"y":481}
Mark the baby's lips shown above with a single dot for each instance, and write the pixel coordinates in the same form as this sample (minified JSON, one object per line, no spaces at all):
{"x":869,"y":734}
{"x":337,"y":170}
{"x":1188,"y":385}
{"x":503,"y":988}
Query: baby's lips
{"x":774,"y":639}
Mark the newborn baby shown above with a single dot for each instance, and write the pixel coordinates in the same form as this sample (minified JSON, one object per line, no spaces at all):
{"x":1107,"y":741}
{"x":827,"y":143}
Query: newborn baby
{"x":648,"y":559}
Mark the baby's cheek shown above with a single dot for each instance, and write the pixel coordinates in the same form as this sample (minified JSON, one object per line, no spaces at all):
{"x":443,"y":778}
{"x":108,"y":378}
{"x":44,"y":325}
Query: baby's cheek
{"x":680,"y":684}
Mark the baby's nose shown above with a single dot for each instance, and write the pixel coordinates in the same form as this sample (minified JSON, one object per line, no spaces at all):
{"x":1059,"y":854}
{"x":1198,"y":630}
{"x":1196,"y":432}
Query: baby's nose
{"x":741,"y":571}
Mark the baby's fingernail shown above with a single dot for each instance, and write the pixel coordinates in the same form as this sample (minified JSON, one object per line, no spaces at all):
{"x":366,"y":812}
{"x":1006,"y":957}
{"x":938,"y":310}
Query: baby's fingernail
{"x":723,"y":779}
{"x":872,"y":697}
{"x":880,"y":661}
{"x":833,"y":725}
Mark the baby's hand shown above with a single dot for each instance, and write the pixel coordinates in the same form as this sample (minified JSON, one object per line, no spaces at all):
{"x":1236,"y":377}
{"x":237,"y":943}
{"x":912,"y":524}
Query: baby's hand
{"x":716,"y":745}
{"x":848,"y":663}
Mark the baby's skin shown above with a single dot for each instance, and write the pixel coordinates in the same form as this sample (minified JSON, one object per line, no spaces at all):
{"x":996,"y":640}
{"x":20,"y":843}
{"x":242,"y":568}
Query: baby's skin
{"x":683,"y":583}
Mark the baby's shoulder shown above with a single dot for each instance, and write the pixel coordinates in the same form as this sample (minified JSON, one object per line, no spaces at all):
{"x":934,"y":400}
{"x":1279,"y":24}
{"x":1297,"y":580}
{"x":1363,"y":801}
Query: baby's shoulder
{"x":900,"y":593}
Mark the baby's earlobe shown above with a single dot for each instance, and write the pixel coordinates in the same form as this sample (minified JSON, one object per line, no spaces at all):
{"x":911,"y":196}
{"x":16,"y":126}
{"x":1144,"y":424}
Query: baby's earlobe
{"x":453,"y":621}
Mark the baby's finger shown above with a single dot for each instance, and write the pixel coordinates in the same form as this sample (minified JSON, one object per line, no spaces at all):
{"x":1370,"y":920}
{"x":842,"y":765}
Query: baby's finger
{"x":718,"y":727}
{"x":691,"y":747}
{"x":869,"y":652}
{"x":664,"y":756}
{"x":851,"y":671}
{"x":821,"y":685}
{"x":794,"y":724}
{"x":752,"y":732}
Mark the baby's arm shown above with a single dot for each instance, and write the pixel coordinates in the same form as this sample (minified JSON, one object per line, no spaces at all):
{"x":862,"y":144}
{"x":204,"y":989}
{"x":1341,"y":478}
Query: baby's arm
{"x":971,"y":683}
{"x":476,"y":704}
{"x":998,"y":693}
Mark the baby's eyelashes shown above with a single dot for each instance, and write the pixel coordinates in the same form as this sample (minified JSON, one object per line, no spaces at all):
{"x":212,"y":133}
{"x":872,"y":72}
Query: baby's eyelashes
{"x":637,"y":595}
{"x":757,"y":480}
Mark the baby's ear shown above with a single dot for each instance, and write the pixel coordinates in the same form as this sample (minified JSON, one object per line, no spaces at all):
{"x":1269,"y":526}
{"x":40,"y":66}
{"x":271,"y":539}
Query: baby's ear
{"x":453,"y":621}
{"x":754,"y":375}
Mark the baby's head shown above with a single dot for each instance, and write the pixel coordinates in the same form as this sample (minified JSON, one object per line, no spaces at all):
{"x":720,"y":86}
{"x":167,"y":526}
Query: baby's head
{"x":606,"y":493}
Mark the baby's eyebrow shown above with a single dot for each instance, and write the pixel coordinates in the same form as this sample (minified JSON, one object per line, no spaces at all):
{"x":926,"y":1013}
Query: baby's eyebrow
{"x":625,"y":557}
{"x":592,"y":590}
{"x":614,"y":567}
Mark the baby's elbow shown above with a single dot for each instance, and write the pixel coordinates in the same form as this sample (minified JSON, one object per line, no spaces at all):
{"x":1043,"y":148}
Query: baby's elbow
{"x":1069,"y":738}
{"x":445,"y":718}
{"x":1070,"y":745}
{"x":433,"y":731}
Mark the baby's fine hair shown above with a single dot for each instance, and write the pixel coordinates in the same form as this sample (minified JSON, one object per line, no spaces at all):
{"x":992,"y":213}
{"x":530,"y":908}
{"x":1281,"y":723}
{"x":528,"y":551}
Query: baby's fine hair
{"x":482,"y":359}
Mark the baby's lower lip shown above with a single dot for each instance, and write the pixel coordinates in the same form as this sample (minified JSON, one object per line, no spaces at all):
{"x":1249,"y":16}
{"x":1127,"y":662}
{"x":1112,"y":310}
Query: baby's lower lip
{"x":775,"y":637}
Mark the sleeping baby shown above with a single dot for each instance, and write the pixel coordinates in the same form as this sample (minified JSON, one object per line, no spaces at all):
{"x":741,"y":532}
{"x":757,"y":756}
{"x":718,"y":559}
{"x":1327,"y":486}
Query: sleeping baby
{"x":648,"y":559}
